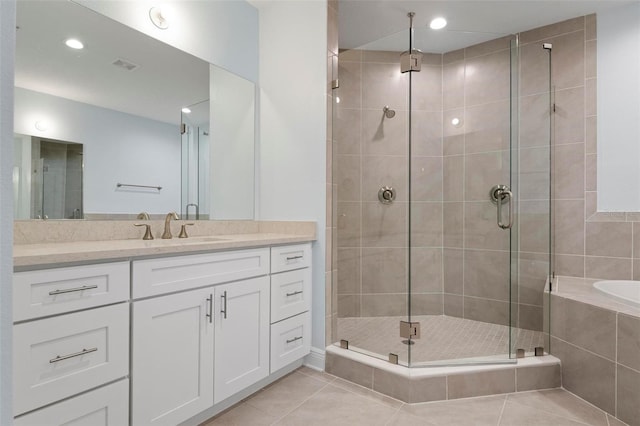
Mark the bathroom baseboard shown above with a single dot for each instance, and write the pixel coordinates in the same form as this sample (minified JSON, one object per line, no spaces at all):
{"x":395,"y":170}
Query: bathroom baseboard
{"x":315,"y":360}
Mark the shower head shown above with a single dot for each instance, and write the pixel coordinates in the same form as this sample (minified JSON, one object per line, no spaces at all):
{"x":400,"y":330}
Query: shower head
{"x":388,"y":112}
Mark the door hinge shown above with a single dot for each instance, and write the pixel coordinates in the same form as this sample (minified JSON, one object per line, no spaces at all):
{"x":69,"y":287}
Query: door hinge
{"x":409,"y":330}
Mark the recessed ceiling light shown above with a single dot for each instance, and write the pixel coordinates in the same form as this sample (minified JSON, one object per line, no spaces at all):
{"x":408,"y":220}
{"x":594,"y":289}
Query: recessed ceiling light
{"x":74,"y":43}
{"x":160,"y":16}
{"x":186,"y":110}
{"x":438,"y":23}
{"x":41,"y":125}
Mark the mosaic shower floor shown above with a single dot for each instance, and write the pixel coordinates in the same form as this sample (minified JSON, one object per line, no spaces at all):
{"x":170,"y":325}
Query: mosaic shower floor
{"x":442,"y":338}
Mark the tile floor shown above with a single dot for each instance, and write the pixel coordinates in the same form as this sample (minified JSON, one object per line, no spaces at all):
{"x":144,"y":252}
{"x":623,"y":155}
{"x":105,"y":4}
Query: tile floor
{"x":442,"y":337}
{"x":307,"y":397}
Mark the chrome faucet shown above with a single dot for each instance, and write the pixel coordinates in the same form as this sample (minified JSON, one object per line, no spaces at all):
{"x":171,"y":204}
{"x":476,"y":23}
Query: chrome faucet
{"x":167,"y":225}
{"x":143,"y":216}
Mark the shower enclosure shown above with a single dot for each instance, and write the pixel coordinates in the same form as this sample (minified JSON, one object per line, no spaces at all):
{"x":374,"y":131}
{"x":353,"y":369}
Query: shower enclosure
{"x":442,"y":186}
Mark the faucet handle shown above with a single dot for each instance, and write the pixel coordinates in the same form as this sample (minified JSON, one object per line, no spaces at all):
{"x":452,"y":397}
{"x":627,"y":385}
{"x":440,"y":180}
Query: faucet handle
{"x":183,"y":230}
{"x":147,"y":232}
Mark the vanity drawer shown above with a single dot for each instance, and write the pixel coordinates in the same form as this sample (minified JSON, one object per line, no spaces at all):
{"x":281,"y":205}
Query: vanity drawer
{"x":170,"y":274}
{"x":290,"y":294}
{"x":108,"y":406}
{"x":57,"y":291}
{"x":290,"y":340}
{"x":287,"y":258}
{"x":58,"y":357}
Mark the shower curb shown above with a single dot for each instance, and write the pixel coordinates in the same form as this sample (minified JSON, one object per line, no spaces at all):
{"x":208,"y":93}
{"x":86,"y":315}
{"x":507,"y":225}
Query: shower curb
{"x":425,"y":384}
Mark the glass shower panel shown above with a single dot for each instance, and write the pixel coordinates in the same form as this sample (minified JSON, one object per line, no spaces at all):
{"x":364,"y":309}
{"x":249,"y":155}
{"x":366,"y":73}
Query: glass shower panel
{"x":461,"y":249}
{"x":534,"y":155}
{"x":195,"y":161}
{"x":371,"y":189}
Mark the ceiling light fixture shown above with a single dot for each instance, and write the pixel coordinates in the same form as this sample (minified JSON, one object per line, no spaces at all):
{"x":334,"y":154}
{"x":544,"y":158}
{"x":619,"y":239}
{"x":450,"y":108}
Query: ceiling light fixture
{"x":160,"y":17}
{"x":41,"y":125}
{"x":186,"y":110}
{"x":438,"y":23}
{"x":74,"y":43}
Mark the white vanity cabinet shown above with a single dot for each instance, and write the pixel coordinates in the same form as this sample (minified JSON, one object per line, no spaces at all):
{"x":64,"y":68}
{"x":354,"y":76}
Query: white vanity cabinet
{"x":290,"y":304}
{"x":172,"y":357}
{"x":106,"y":406}
{"x":241,"y":336}
{"x":195,"y":348}
{"x":157,"y":341}
{"x":67,"y":353}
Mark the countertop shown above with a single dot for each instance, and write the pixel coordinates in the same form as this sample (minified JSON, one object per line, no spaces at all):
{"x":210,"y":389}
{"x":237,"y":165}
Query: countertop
{"x":27,"y":256}
{"x":582,"y":290}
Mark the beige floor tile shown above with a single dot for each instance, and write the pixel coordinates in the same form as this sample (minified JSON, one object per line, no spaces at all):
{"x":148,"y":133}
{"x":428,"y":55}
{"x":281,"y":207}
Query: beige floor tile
{"x":614,"y":422}
{"x":315,"y":374}
{"x":561,"y":403}
{"x":367,"y":393}
{"x":336,"y":406}
{"x":286,"y":394}
{"x":462,"y":412}
{"x":521,"y":415}
{"x":242,"y":415}
{"x":405,"y":419}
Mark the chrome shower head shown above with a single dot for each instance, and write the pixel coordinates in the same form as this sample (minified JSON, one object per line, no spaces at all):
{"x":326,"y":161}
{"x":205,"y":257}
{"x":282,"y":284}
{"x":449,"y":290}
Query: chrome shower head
{"x":388,"y":112}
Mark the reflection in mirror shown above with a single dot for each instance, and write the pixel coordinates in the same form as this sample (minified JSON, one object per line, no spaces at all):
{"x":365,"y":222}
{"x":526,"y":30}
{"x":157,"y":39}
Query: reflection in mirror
{"x":120,"y":97}
{"x":195,"y":164}
{"x":47,"y":178}
{"x":232,"y":146}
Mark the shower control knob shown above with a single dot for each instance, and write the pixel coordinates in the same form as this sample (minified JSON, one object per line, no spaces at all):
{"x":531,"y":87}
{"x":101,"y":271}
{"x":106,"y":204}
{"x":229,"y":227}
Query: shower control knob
{"x":386,"y":195}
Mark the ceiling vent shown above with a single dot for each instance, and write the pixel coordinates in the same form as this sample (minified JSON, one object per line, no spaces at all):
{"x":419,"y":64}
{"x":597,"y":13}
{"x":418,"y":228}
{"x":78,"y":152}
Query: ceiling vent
{"x":125,"y":65}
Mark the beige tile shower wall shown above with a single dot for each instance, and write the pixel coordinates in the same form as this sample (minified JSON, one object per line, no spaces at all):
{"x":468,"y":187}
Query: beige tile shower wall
{"x":371,"y":151}
{"x":331,"y":274}
{"x":477,"y":157}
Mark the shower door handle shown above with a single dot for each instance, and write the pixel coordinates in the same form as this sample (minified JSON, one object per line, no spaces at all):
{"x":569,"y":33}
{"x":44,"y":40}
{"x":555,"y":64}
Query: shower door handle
{"x":503,"y":194}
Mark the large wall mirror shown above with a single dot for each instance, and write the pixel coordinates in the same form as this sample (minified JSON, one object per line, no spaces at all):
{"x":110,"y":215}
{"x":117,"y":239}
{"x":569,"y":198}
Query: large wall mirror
{"x":141,"y":125}
{"x":619,"y":109}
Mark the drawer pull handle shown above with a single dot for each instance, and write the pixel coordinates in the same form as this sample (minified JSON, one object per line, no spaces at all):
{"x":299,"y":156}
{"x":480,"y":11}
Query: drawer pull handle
{"x":82,"y":352}
{"x":72,"y":290}
{"x":295,"y":257}
{"x":294,"y":293}
{"x":224,"y":304}
{"x":209,"y":313}
{"x":294,"y":339}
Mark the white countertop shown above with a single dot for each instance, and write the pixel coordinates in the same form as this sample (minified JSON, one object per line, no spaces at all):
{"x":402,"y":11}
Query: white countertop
{"x":46,"y":254}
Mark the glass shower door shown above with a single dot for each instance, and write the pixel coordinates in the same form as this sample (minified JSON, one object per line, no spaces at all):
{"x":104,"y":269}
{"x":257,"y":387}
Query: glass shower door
{"x":464,"y":203}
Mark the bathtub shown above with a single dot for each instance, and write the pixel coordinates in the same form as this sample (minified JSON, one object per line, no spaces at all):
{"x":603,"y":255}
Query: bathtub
{"x":621,"y":289}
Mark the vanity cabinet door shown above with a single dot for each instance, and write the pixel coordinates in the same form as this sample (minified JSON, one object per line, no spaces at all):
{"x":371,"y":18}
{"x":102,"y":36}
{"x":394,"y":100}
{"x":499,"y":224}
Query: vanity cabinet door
{"x":172,"y":357}
{"x":241,"y":335}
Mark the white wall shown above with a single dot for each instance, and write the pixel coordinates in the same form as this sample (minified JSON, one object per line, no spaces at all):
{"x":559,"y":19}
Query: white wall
{"x":293,"y":67}
{"x":619,"y":109}
{"x":224,"y":33}
{"x":118,"y":147}
{"x":7,"y":50}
